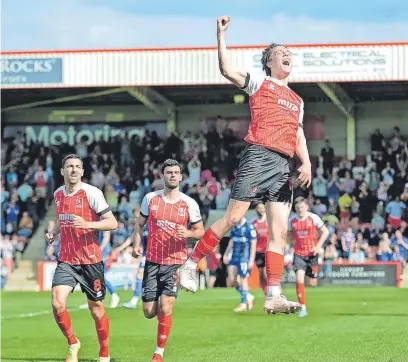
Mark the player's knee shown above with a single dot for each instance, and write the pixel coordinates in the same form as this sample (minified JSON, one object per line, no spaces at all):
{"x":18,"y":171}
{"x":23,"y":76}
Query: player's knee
{"x":58,"y":303}
{"x":166,"y":309}
{"x":140,"y":274}
{"x":97,"y":311}
{"x":150,"y":311}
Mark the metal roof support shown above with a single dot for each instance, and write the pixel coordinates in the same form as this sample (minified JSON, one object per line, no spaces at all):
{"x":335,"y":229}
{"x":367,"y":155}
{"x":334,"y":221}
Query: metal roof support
{"x":65,"y":99}
{"x":347,"y":106}
{"x":157,"y":103}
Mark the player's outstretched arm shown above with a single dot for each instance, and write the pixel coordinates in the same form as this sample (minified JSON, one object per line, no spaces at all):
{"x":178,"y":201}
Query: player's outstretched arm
{"x":106,"y":239}
{"x":227,"y":70}
{"x":305,"y":171}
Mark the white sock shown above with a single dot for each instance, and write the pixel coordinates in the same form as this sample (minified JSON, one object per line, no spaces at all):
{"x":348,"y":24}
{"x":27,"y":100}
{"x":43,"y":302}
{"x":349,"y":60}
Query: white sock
{"x":303,"y":307}
{"x":243,"y":305}
{"x":273,"y":291}
{"x":159,"y":351}
{"x":115,"y":295}
{"x":134,"y":300}
{"x":191,"y":264}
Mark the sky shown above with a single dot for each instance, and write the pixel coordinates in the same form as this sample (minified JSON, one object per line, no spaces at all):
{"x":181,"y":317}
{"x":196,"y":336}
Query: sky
{"x":92,"y":24}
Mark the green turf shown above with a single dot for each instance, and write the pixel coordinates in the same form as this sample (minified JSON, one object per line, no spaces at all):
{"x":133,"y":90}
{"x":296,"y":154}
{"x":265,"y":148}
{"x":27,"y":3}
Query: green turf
{"x":369,"y":324}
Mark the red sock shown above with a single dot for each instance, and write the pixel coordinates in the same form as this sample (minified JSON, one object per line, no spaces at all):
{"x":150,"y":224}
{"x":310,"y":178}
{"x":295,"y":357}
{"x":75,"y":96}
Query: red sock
{"x":64,"y":322}
{"x":301,"y":293}
{"x":163,"y":330}
{"x":274,"y":267}
{"x":207,"y":244}
{"x":102,"y":329}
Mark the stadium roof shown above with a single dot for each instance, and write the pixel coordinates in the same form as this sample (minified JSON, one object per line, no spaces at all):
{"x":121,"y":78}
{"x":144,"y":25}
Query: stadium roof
{"x":193,"y":95}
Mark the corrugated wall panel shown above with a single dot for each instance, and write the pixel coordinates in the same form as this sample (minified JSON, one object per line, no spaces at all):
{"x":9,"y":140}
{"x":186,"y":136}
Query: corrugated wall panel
{"x":197,"y":67}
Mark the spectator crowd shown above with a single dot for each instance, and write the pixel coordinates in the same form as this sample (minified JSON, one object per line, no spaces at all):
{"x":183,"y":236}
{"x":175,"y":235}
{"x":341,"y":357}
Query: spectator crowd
{"x":364,"y":202}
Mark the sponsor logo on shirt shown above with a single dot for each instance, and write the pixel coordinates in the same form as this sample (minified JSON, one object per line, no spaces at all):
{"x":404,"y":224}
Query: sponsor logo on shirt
{"x":288,"y":105}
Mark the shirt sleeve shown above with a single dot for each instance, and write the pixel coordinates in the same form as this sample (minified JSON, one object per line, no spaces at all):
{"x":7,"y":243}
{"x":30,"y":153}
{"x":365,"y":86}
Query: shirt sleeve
{"x":317,"y":220}
{"x":194,"y":212}
{"x":144,"y":208}
{"x":97,"y":201}
{"x":253,"y":82}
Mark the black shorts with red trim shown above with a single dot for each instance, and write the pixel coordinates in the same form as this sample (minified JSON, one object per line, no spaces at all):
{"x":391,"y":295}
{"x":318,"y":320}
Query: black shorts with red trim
{"x":310,"y":264}
{"x":263,"y":175}
{"x":91,"y":278}
{"x":159,"y":279}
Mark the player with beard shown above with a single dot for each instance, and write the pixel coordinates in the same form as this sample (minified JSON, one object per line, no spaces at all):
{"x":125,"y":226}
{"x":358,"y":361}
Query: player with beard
{"x":275,"y":134}
{"x":168,"y":213}
{"x":82,"y":213}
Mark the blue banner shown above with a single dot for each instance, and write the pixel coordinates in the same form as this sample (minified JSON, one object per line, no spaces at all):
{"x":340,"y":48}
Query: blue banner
{"x":122,"y":276}
{"x":31,"y":70}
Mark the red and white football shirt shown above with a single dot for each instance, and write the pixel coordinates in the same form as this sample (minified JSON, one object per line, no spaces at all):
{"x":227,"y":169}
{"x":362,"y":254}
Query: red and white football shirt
{"x":305,"y":233}
{"x":276,"y":113}
{"x":163,"y":217}
{"x":262,"y":232}
{"x":79,"y":246}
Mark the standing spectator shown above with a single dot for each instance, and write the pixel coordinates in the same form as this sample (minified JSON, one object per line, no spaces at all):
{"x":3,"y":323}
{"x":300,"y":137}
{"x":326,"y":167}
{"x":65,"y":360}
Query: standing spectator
{"x":327,"y":153}
{"x":399,"y":183}
{"x":382,"y":192}
{"x":12,"y":179}
{"x":26,"y":225}
{"x":377,"y":221}
{"x":111,"y":197}
{"x":394,"y":209}
{"x":24,"y":192}
{"x":377,"y":141}
{"x":213,"y":187}
{"x":98,"y":178}
{"x":41,"y":182}
{"x":194,"y":170}
{"x":319,"y":185}
{"x":388,"y":174}
{"x":404,"y":195}
{"x":345,"y":202}
{"x":333,"y":188}
{"x":348,"y":184}
{"x":12,"y":212}
{"x":223,"y":196}
{"x":319,"y":208}
{"x":402,"y":242}
{"x":384,"y":252}
{"x":125,"y":155}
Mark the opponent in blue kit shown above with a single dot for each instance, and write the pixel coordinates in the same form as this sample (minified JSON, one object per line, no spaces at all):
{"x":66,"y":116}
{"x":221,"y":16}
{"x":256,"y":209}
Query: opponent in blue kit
{"x":240,"y":257}
{"x":106,"y":248}
{"x":139,"y":276}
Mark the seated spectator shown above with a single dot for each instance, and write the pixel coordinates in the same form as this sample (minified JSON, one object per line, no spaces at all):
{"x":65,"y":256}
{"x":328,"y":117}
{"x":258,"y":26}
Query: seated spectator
{"x":333,"y":187}
{"x":356,"y":255}
{"x":402,"y":242}
{"x":384,"y":252}
{"x":377,"y":221}
{"x":363,"y":243}
{"x":348,"y":183}
{"x":124,"y":208}
{"x":396,"y":256}
{"x":347,"y":242}
{"x":25,"y":228}
{"x":394,"y":209}
{"x":331,"y":219}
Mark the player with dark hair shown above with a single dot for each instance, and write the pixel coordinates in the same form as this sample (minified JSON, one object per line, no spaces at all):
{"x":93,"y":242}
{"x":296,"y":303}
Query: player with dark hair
{"x":82,"y":213}
{"x":168,"y":213}
{"x":304,"y":231}
{"x":275,"y":134}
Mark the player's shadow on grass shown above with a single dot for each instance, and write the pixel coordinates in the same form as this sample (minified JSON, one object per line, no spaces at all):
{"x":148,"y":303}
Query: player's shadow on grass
{"x":371,"y":315}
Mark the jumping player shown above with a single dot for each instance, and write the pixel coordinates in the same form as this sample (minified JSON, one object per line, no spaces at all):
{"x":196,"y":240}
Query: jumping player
{"x":261,"y":226}
{"x":168,"y":213}
{"x":275,"y":134}
{"x":304,"y":231}
{"x":132,"y":304}
{"x":82,"y":212}
{"x":243,"y":246}
{"x":106,"y":249}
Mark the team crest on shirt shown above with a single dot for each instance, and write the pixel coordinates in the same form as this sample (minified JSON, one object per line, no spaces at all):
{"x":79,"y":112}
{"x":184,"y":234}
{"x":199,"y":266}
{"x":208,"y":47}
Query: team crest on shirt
{"x":271,"y":86}
{"x":155,"y":208}
{"x":57,"y":203}
{"x":78,"y":203}
{"x":182,"y":212}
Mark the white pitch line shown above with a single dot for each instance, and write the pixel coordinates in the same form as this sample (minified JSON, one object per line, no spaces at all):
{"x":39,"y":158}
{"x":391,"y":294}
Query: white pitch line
{"x":34,"y":314}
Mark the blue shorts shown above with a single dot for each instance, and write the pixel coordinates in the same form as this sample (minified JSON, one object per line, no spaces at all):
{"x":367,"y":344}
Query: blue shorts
{"x":242,"y":267}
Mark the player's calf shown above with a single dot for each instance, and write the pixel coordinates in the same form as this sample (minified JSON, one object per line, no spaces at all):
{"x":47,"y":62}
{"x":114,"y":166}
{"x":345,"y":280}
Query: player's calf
{"x":102,"y":327}
{"x":150,"y":309}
